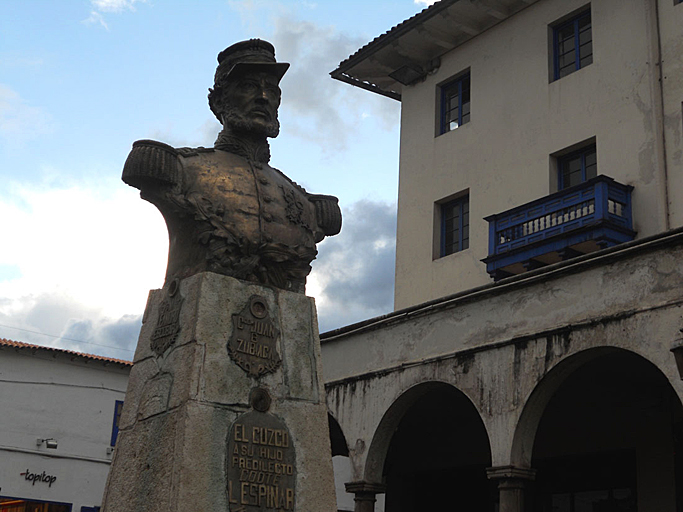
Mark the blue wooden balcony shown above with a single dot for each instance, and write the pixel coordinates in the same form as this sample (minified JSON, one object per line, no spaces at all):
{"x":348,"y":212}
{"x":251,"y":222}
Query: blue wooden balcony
{"x":581,"y":219}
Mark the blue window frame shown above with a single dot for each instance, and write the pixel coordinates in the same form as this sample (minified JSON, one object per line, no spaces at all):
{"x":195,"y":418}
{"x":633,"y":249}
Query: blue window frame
{"x":572,"y":45}
{"x":455,"y":104}
{"x":577,"y":167}
{"x":118,"y":406}
{"x":455,"y":225}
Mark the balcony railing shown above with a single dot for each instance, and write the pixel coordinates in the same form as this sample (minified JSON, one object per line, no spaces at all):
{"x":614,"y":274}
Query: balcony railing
{"x":584,"y":218}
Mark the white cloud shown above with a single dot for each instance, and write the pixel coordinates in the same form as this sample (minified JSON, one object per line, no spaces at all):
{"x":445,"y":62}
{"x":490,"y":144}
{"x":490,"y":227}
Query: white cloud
{"x":426,"y":3}
{"x":325,"y":111}
{"x":86,"y":257}
{"x":353,"y":276}
{"x":19,"y":121}
{"x":115,"y":5}
{"x":108,"y":6}
{"x":96,"y":18}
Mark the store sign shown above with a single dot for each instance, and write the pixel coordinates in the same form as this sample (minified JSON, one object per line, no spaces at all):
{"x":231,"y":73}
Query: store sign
{"x":38,"y":477}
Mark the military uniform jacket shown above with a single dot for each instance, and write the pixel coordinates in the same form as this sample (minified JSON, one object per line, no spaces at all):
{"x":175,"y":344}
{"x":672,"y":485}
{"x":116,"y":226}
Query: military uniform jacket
{"x":232,"y":215}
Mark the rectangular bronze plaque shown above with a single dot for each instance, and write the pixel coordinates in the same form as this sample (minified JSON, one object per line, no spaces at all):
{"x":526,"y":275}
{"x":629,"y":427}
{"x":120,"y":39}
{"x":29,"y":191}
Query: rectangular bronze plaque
{"x":261,"y":464}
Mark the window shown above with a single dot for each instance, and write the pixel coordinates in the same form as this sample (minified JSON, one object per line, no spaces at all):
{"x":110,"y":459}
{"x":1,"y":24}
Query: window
{"x":455,"y":225}
{"x":8,"y":504}
{"x":455,"y":104}
{"x":572,"y":45}
{"x":118,"y":406}
{"x":577,"y":167}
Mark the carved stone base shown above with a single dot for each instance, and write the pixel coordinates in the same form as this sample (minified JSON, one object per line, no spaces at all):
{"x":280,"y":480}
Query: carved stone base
{"x":229,"y":415}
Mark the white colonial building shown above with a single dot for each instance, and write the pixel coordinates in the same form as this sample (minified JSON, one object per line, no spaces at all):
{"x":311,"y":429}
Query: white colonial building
{"x":530,"y":364}
{"x":58,"y":426}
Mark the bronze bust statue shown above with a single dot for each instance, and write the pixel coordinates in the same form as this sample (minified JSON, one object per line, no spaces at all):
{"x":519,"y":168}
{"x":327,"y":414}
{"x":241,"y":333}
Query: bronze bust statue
{"x":226,"y":209}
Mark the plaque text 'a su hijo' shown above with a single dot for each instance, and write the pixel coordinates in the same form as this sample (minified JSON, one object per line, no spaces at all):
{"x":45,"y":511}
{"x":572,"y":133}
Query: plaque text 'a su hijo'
{"x":261,"y":464}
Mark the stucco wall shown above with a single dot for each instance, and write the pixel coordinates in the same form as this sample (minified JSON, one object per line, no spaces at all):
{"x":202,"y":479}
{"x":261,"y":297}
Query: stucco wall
{"x":670,"y":22}
{"x":54,"y":395}
{"x":519,"y":118}
{"x":507,"y":348}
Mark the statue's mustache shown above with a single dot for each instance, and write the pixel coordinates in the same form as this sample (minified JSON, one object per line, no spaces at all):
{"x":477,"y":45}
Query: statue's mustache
{"x":238,"y":122}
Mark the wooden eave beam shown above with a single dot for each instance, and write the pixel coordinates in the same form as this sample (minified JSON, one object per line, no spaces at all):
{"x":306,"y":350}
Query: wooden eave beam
{"x":409,"y":54}
{"x":492,"y":8}
{"x":463,"y":26}
{"x":437,"y":37}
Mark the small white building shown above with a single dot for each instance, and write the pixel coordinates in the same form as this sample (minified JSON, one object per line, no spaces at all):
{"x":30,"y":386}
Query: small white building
{"x":57,"y":427}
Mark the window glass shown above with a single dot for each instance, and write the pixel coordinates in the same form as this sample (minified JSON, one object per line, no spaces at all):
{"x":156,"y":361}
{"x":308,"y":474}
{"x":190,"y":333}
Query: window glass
{"x":22,"y":505}
{"x":455,"y":229}
{"x":573,"y":45}
{"x":455,"y":104}
{"x":118,"y":407}
{"x":577,"y":167}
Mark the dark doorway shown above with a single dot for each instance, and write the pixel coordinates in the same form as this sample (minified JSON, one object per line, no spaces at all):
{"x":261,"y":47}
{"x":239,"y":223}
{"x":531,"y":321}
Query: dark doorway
{"x":606,"y":440}
{"x":438,"y":457}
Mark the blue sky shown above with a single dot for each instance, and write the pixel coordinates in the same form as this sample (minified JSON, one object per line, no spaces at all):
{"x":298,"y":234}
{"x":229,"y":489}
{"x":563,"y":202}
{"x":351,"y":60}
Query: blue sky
{"x":81,"y":80}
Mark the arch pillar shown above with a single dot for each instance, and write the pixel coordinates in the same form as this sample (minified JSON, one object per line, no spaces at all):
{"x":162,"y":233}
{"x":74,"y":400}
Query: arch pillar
{"x":513,"y":483}
{"x":365,"y":495}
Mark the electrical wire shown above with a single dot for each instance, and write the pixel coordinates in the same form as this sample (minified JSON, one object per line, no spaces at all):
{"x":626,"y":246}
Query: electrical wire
{"x":68,"y":339}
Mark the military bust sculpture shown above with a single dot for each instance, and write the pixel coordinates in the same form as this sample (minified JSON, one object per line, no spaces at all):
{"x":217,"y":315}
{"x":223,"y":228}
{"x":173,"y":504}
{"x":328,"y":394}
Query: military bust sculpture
{"x":226,"y":209}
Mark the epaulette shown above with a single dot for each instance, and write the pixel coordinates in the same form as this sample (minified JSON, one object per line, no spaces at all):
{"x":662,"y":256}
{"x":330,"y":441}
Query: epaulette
{"x":327,"y":213}
{"x":151,"y":162}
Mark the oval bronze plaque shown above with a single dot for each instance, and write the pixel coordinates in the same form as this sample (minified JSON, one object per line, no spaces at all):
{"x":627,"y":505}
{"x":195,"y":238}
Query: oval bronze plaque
{"x":253,"y":343}
{"x":261,"y":464}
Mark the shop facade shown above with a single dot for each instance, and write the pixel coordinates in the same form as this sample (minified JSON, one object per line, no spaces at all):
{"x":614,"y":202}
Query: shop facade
{"x":58,"y":412}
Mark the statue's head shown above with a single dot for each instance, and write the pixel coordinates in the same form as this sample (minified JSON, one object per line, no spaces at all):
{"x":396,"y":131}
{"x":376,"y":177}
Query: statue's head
{"x":246,"y":95}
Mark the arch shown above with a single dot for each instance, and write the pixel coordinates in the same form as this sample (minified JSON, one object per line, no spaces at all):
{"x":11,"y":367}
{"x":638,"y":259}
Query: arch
{"x":337,"y":439}
{"x":381,"y":440}
{"x":535,"y":406}
{"x":430,"y":447}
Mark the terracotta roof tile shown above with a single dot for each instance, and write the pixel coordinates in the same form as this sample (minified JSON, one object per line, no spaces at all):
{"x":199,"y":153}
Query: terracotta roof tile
{"x":18,"y":344}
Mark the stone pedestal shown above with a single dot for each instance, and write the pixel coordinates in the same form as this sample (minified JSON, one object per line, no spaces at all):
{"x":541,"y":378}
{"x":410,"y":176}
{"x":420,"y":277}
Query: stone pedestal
{"x":225,"y":406}
{"x":513,"y":486}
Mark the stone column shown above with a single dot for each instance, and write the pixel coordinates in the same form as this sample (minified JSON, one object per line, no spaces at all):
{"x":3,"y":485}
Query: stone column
{"x":225,"y":406}
{"x":365,"y":495}
{"x":512,"y":486}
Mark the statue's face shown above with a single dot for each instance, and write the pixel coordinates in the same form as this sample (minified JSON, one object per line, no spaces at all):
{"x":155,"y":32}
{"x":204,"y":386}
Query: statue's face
{"x":251,"y":102}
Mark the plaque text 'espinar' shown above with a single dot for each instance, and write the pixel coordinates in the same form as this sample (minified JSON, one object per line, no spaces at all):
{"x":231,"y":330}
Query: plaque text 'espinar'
{"x":261,"y":464}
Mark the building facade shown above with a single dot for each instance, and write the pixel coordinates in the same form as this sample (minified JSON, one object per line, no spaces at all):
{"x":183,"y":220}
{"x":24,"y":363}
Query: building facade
{"x":531,"y":361}
{"x":57,"y":427}
{"x":492,"y":68}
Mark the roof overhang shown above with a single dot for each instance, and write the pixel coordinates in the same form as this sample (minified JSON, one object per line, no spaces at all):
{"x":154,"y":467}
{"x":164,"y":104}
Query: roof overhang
{"x":410,"y":51}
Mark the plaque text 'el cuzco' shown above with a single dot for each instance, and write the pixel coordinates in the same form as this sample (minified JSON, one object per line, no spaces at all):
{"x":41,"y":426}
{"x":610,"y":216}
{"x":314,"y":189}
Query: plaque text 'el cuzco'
{"x":261,"y":464}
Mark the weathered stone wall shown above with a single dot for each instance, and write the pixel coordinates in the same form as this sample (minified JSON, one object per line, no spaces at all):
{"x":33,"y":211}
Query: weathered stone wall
{"x":182,"y":404}
{"x":507,"y":347}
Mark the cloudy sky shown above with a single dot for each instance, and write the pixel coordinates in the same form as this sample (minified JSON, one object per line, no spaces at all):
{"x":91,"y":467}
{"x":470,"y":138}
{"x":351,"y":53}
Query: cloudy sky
{"x":81,"y":80}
